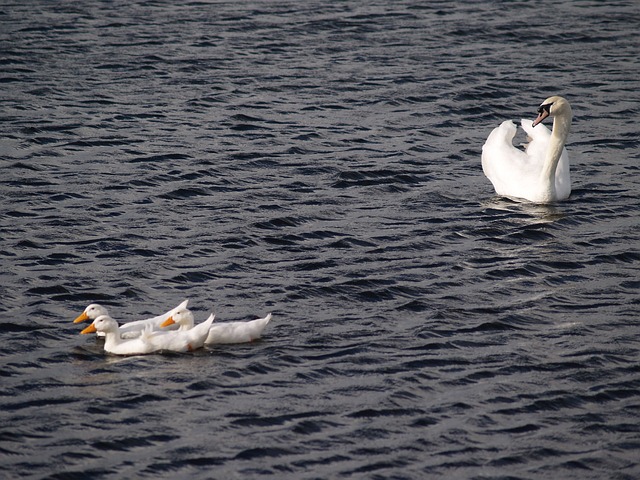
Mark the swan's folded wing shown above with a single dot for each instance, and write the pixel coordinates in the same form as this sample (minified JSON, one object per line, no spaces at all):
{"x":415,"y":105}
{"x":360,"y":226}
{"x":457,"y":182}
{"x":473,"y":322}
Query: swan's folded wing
{"x":538,"y":138}
{"x":500,"y":157}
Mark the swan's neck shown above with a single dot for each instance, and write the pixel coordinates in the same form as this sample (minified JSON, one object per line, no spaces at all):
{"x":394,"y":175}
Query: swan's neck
{"x":559,"y":134}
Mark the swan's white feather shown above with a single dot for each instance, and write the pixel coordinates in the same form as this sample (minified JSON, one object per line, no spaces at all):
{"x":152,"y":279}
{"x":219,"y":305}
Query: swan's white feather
{"x":518,"y":173}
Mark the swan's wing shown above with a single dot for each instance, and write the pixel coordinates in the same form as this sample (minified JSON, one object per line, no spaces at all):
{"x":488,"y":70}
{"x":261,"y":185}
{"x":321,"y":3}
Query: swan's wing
{"x":501,"y":161}
{"x":538,"y":139}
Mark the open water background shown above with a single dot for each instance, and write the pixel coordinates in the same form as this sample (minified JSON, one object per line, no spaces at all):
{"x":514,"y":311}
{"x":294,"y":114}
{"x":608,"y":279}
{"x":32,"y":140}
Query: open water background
{"x":319,"y":160}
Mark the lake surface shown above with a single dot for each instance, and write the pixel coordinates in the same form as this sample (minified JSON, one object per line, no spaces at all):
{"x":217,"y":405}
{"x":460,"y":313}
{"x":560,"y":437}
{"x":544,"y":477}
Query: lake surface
{"x":320,"y":161}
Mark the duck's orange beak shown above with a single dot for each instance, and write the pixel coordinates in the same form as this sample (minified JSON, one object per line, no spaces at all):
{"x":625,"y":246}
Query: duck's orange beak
{"x":167,"y":322}
{"x":83,"y":317}
{"x":90,"y":329}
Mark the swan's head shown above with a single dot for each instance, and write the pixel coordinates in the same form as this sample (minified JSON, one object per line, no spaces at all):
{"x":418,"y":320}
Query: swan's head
{"x":553,"y":107}
{"x":92,"y":312}
{"x":182,"y":317}
{"x":104,"y":323}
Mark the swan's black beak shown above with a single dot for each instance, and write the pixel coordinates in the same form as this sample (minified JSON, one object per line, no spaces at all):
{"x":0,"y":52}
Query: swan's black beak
{"x":543,"y":112}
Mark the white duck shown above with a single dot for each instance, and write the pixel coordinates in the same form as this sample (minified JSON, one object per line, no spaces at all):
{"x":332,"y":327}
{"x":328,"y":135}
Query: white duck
{"x":540,"y":174}
{"x":229,"y":332}
{"x":130,"y":329}
{"x":196,"y":336}
{"x":148,"y":341}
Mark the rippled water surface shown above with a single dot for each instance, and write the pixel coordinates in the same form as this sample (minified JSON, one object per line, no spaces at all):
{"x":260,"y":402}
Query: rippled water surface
{"x":321,"y":161}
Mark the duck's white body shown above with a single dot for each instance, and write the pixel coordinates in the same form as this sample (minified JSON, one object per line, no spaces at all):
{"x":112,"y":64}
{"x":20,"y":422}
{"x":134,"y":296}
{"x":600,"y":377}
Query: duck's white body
{"x":228,"y":332}
{"x":130,"y":329}
{"x":540,"y":173}
{"x":237,"y":332}
{"x":148,"y":341}
{"x":113,"y":342}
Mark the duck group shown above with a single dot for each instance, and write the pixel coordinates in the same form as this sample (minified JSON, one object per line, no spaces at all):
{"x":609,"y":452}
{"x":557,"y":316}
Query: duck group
{"x":173,"y":331}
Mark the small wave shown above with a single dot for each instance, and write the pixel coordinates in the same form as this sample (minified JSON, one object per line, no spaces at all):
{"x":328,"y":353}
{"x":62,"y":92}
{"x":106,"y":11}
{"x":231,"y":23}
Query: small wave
{"x":184,"y":193}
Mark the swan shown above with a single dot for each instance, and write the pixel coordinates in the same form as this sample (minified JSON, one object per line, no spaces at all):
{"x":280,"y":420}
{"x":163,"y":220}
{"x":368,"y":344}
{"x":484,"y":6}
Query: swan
{"x":540,"y":174}
{"x":229,"y":332}
{"x":148,"y":341}
{"x":130,"y":329}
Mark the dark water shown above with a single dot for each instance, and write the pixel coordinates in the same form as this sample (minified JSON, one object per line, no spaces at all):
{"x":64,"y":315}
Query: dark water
{"x":321,"y":161}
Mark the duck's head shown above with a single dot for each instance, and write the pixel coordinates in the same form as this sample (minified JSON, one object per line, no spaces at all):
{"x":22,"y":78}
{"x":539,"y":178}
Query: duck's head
{"x":104,"y":323}
{"x":182,"y":317}
{"x":553,"y":107}
{"x":92,"y":312}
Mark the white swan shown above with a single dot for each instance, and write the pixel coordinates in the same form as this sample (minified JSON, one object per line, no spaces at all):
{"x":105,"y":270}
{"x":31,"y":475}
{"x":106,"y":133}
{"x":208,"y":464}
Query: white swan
{"x":148,"y":341}
{"x":130,"y":329}
{"x":540,"y":174}
{"x":229,"y":332}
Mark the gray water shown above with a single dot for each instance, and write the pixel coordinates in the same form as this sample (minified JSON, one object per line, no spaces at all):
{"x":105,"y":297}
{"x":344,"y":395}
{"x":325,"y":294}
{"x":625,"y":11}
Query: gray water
{"x":320,"y":161}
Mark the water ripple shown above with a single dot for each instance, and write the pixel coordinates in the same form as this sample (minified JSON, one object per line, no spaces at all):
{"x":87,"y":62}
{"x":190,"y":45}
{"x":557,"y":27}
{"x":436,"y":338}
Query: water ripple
{"x":321,"y":162}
